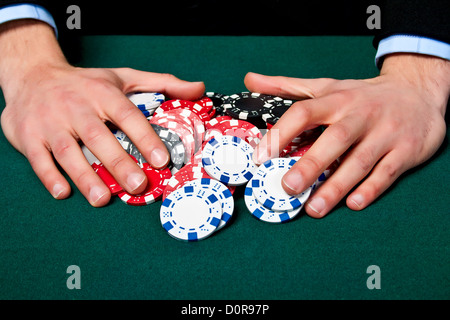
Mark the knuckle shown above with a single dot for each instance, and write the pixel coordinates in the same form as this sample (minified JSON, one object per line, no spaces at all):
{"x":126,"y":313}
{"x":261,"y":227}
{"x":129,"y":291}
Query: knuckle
{"x":340,"y":132}
{"x":147,"y":140}
{"x":391,"y":171}
{"x":302,"y":112}
{"x":344,"y":97}
{"x":365,"y":159}
{"x":61,"y":147}
{"x":124,"y":112}
{"x":92,"y":133}
{"x":336,"y":189}
{"x":83,"y":178}
{"x":117,"y":162}
{"x":312,"y":164}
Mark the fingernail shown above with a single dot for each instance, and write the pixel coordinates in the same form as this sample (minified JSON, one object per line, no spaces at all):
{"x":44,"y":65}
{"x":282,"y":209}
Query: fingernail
{"x":260,"y":156}
{"x":134,"y":180}
{"x":58,"y":189}
{"x":317,"y":205}
{"x":96,"y":193}
{"x":159,"y":158}
{"x":294,"y":181}
{"x":358,"y":199}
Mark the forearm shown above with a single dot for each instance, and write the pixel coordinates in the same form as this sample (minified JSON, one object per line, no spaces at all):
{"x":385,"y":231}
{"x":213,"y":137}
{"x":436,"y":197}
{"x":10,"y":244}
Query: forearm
{"x":26,"y":45}
{"x":427,"y":73}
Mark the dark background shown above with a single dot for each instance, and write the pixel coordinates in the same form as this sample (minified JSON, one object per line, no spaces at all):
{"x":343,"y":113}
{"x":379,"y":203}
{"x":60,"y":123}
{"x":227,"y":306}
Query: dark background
{"x":214,"y":17}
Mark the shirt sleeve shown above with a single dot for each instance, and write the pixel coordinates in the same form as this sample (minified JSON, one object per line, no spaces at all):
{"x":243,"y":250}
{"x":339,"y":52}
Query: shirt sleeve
{"x":412,"y":44}
{"x":27,"y":11}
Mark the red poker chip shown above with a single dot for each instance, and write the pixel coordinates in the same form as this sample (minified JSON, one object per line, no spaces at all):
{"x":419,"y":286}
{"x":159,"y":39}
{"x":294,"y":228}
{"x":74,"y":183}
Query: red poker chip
{"x":206,"y":103}
{"x":198,"y":109}
{"x":157,"y":181}
{"x":188,"y":173}
{"x":300,"y":152}
{"x":216,"y":121}
{"x":107,"y":178}
{"x":234,"y":127}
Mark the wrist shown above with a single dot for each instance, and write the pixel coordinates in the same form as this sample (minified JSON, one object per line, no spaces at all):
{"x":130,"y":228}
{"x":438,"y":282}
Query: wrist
{"x":425,"y":73}
{"x":26,"y":46}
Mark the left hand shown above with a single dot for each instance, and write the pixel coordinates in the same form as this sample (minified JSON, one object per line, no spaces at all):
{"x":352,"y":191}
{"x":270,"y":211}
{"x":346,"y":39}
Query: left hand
{"x":384,"y":126}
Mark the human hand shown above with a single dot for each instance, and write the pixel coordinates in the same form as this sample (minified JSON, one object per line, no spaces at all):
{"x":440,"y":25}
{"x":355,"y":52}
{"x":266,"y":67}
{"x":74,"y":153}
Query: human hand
{"x":382,"y":127}
{"x":50,"y":106}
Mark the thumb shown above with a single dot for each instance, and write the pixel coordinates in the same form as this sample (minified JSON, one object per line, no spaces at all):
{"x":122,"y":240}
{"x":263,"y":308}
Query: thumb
{"x":286,"y":87}
{"x":168,"y":84}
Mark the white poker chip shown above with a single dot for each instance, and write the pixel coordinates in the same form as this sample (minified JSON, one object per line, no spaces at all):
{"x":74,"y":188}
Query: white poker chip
{"x":268,"y":190}
{"x":146,"y":100}
{"x":191,"y":213}
{"x":222,"y":192}
{"x":229,"y":160}
{"x":265,"y":214}
{"x":89,"y":155}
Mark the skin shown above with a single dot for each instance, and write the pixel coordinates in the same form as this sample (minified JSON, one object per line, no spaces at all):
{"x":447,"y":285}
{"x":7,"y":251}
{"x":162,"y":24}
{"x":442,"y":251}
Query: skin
{"x":51,"y":106}
{"x":382,"y":127}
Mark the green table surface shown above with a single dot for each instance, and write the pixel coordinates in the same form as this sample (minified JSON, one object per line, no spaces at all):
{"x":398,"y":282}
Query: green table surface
{"x":124,"y":253}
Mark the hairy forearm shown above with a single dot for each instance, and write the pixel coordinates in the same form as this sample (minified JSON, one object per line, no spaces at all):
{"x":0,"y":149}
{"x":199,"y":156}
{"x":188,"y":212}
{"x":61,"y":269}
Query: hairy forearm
{"x":26,"y":45}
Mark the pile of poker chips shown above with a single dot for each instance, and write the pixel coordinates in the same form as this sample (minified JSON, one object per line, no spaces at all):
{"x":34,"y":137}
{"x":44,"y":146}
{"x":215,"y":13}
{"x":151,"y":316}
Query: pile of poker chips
{"x":210,"y":142}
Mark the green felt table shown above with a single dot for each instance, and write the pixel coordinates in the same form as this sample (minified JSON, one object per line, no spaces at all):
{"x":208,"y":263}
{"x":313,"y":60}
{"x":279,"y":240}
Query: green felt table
{"x":124,"y":253}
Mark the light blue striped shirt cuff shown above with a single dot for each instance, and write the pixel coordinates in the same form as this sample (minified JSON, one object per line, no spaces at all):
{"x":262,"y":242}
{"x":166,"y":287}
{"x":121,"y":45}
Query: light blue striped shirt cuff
{"x":412,"y":44}
{"x":27,"y":11}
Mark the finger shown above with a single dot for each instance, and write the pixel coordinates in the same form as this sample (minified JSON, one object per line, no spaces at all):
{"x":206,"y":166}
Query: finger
{"x":102,"y":143}
{"x":355,"y":167}
{"x":44,"y":166}
{"x":68,"y":154}
{"x":126,"y":116}
{"x":136,"y":80}
{"x":382,"y":177}
{"x":331,"y":144}
{"x":301,"y":116}
{"x":286,"y":87}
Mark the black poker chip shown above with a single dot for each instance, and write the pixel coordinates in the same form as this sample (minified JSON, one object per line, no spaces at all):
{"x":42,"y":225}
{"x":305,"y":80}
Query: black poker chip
{"x":249,"y":106}
{"x":274,"y":114}
{"x":218,"y":100}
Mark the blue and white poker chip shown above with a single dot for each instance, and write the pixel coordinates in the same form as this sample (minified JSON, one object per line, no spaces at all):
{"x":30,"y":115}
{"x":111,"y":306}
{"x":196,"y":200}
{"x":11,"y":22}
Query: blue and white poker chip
{"x":191,"y":213}
{"x":229,"y":160}
{"x":147,"y":102}
{"x":265,"y":214}
{"x":222,"y":192}
{"x":268,"y":190}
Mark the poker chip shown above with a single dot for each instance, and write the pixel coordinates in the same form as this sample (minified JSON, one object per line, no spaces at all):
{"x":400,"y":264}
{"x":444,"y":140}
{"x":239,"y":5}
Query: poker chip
{"x":279,"y":107}
{"x":198,"y":109}
{"x":102,"y":172}
{"x":211,"y":142}
{"x":157,"y":180}
{"x":191,"y":213}
{"x":249,"y":106}
{"x":188,"y":173}
{"x":173,"y":144}
{"x":181,"y":129}
{"x":147,"y":102}
{"x":211,"y":123}
{"x":265,"y":214}
{"x":218,"y":99}
{"x":229,"y":160}
{"x":222,"y":192}
{"x":268,"y":190}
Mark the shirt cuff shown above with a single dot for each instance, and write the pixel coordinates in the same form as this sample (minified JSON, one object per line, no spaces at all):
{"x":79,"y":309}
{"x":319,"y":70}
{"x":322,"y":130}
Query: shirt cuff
{"x":27,"y":11}
{"x":411,"y":44}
